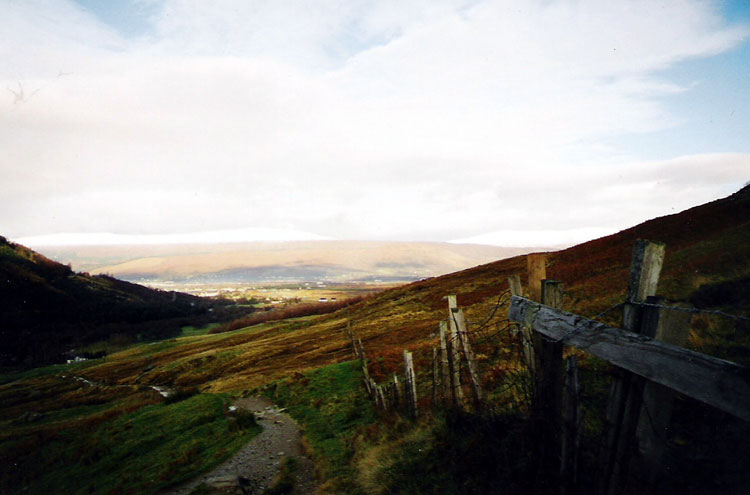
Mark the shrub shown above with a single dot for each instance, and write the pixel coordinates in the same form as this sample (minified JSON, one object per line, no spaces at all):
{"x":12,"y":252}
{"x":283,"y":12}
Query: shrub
{"x":181,"y":394}
{"x":243,"y":420}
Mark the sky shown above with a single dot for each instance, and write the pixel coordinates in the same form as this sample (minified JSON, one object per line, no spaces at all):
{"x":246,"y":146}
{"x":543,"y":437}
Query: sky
{"x":531,"y":122}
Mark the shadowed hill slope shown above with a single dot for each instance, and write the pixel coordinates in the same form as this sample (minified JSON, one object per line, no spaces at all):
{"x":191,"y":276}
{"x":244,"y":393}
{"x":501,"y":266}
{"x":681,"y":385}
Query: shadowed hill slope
{"x":46,"y":306}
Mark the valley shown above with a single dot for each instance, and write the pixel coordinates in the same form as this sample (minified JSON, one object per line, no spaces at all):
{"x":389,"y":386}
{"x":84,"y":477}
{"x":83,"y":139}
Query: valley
{"x":459,"y":247}
{"x":306,"y":365}
{"x":261,"y":295}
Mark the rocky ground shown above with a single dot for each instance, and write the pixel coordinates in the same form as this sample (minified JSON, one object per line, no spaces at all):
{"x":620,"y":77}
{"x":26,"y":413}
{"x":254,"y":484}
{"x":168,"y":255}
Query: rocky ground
{"x":257,"y":465}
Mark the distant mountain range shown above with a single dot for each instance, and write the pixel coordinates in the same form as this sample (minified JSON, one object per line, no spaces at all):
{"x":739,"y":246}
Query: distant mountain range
{"x":263,"y":262}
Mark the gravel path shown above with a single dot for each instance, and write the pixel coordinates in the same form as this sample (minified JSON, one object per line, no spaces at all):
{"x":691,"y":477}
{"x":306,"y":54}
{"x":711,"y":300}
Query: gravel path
{"x":251,"y":470}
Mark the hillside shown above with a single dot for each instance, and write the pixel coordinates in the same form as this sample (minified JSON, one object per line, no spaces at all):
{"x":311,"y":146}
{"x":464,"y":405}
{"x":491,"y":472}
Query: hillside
{"x":47,"y":307}
{"x":340,"y":261}
{"x":708,"y":251}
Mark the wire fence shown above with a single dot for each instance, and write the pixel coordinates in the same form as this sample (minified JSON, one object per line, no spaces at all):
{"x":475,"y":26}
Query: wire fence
{"x":499,"y":345}
{"x":494,"y":332}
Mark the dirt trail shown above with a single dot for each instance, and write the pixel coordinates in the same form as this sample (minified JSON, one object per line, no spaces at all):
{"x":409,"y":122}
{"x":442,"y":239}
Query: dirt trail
{"x":251,"y":470}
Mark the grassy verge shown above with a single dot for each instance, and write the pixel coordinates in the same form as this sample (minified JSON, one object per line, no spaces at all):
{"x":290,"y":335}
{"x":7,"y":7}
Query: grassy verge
{"x":452,"y":453}
{"x":332,"y":406}
{"x":11,"y":375}
{"x":192,"y":331}
{"x":296,"y":311}
{"x":113,"y":451}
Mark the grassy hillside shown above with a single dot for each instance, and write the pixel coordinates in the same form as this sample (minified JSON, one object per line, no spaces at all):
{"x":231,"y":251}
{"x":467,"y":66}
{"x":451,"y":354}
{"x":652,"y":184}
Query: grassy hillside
{"x":46,"y":307}
{"x":298,"y":361}
{"x":90,"y":438}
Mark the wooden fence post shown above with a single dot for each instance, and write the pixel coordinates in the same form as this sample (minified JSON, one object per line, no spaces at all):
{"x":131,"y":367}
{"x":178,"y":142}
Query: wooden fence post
{"x":537,"y":267}
{"x":549,"y":362}
{"x":514,"y":282}
{"x":463,"y":336}
{"x":376,"y":395}
{"x":365,"y":372}
{"x":645,"y":268}
{"x":457,"y":392}
{"x":351,"y":336}
{"x":435,"y":376}
{"x":398,"y":397}
{"x":672,"y":327}
{"x":572,"y":423}
{"x":383,"y":399}
{"x":626,"y":394}
{"x":411,"y":384}
{"x":549,"y":382}
{"x":361,"y":351}
{"x":445,"y":364}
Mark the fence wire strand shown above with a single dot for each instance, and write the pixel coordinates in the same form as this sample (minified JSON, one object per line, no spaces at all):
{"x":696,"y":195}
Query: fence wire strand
{"x":611,"y":308}
{"x":717,"y":312}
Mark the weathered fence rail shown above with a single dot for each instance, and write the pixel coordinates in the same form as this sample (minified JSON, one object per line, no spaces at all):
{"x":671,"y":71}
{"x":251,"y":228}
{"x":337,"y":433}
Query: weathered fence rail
{"x":719,"y":383}
{"x":651,"y":365}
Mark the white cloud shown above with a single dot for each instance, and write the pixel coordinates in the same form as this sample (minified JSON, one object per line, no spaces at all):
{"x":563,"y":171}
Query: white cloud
{"x":537,"y":238}
{"x":412,"y":120}
{"x":212,"y":237}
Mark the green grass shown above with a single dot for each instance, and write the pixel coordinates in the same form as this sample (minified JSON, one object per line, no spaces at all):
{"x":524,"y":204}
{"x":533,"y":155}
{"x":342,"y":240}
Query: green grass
{"x":107,"y":346}
{"x":149,"y":346}
{"x":332,"y":406}
{"x":146,"y":347}
{"x":139,"y":452}
{"x":74,"y":412}
{"x":13,"y":375}
{"x":460,"y":453}
{"x":192,"y":331}
{"x":8,"y":252}
{"x":152,"y":348}
{"x":299,"y":323}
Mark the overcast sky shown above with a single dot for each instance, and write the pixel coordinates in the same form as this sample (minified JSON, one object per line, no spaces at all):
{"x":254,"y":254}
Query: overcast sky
{"x":513,"y":122}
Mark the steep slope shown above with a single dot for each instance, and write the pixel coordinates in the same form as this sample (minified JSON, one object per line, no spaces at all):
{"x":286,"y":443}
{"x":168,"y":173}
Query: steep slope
{"x":46,"y":306}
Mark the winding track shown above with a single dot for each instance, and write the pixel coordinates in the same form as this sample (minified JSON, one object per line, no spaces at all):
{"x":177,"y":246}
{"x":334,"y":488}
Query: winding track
{"x":259,"y":461}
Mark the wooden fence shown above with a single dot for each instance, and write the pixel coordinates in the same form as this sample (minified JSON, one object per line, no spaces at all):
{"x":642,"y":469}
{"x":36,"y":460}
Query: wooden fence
{"x":651,"y":362}
{"x":388,"y":396}
{"x":454,"y":354}
{"x":647,"y":351}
